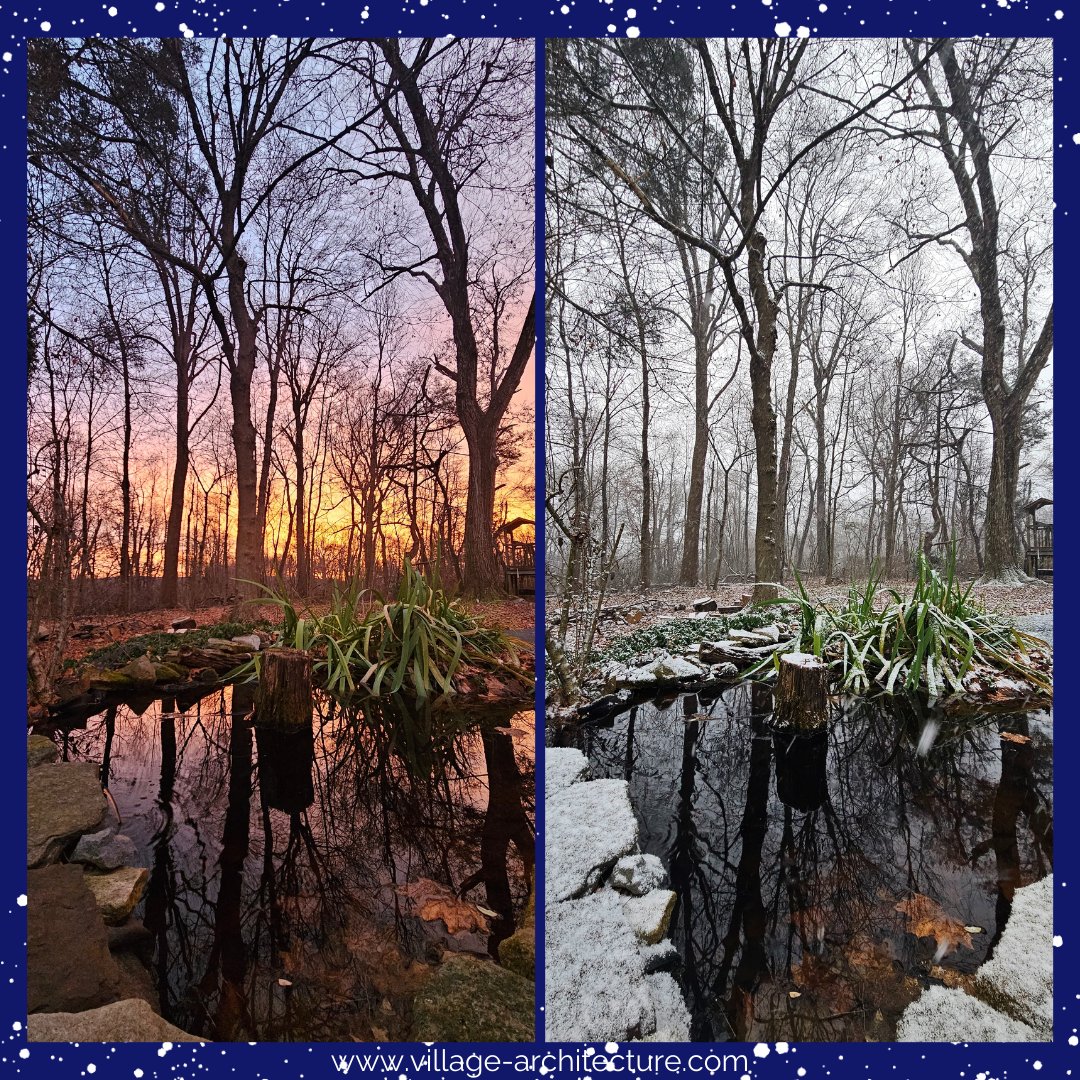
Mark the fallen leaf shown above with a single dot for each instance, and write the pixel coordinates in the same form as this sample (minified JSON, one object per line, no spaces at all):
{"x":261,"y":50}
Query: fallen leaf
{"x":1011,"y":736}
{"x":434,"y":901}
{"x":927,"y":919}
{"x":794,"y":993}
{"x":974,"y":929}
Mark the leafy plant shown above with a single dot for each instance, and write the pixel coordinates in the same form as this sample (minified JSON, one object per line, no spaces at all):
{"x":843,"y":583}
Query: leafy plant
{"x":929,"y":640}
{"x":416,"y":642}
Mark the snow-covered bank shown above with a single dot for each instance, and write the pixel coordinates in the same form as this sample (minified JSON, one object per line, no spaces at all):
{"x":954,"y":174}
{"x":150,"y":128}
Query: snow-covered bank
{"x":607,"y":914}
{"x":1013,"y":993}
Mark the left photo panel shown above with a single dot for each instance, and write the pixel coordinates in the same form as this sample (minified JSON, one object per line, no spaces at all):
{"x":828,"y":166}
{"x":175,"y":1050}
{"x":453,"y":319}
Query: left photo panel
{"x":280,"y":551}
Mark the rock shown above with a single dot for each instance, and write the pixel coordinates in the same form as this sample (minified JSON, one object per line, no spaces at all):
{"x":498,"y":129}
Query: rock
{"x":109,"y":680}
{"x":672,"y":1015}
{"x":726,"y":670}
{"x":131,"y":1020}
{"x":660,"y":957}
{"x":141,"y":671}
{"x":63,"y":801}
{"x":589,"y":827}
{"x":1019,"y":978}
{"x":473,"y":1000}
{"x":705,"y":603}
{"x":184,"y":624}
{"x":770,"y":633}
{"x":943,"y":1015}
{"x":248,"y":641}
{"x":591,"y":710}
{"x":69,"y":967}
{"x":40,"y":751}
{"x":750,"y":637}
{"x":563,"y":766}
{"x":221,"y":643}
{"x":168,"y":673}
{"x":638,"y":874}
{"x":118,"y":891}
{"x":669,"y":668}
{"x":518,"y":952}
{"x":650,"y":915}
{"x":105,"y":850}
{"x":131,"y":934}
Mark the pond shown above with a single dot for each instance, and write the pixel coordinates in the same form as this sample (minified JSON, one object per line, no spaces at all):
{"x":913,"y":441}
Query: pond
{"x":289,"y":871}
{"x":823,"y":881}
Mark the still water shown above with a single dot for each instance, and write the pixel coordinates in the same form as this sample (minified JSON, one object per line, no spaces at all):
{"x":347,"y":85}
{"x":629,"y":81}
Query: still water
{"x":823,"y":881}
{"x":288,"y":870}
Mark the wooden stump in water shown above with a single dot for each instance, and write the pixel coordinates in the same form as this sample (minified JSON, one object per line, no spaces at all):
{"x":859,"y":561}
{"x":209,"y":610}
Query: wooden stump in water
{"x":802,"y":692}
{"x":284,"y":696}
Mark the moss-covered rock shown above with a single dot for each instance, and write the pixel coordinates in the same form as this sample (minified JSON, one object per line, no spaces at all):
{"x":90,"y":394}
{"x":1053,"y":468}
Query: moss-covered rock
{"x":518,"y":952}
{"x":141,"y":671}
{"x":472,"y":1000}
{"x":109,"y":680}
{"x":40,"y":751}
{"x":169,"y":673}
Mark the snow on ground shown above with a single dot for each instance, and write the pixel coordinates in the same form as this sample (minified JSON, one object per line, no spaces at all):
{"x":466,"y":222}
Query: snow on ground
{"x":1014,"y":990}
{"x":589,"y":827}
{"x":601,"y":971}
{"x":563,"y":766}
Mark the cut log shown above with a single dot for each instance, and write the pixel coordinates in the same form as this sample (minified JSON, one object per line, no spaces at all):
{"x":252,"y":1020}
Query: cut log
{"x":284,"y":695}
{"x":802,"y":692}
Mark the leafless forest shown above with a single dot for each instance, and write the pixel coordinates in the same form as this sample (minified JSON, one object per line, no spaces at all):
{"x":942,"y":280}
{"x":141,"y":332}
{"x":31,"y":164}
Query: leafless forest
{"x":799,"y":306}
{"x":280,"y":312}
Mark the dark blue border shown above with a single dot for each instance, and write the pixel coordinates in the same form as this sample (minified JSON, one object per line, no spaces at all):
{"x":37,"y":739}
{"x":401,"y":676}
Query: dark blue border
{"x":552,"y":18}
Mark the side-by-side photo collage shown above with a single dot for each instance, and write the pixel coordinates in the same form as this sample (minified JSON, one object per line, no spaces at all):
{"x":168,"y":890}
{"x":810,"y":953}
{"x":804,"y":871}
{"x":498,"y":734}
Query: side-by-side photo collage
{"x":539,"y":540}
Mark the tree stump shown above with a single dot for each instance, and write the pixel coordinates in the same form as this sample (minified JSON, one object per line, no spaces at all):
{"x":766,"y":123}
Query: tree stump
{"x":802,"y":692}
{"x":284,"y":695}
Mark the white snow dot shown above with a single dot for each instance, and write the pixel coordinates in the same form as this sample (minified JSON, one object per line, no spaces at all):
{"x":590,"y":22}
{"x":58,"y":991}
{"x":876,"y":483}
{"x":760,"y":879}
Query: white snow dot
{"x":7,"y":60}
{"x":783,"y":29}
{"x":137,"y":1073}
{"x":767,"y":3}
{"x":24,"y":1053}
{"x":1076,"y":138}
{"x":91,"y":1068}
{"x":803,"y":31}
{"x":823,"y":8}
{"x":781,"y":1048}
{"x":611,"y":1047}
{"x":761,"y":1050}
{"x":21,"y":901}
{"x":1059,"y":14}
{"x":1073,"y":1040}
{"x":1036,"y":1065}
{"x":800,"y":1071}
{"x":631,"y":13}
{"x":159,"y":6}
{"x":46,"y":26}
{"x":565,"y":9}
{"x":632,"y":31}
{"x":1057,"y":941}
{"x":112,"y":12}
{"x":611,"y":28}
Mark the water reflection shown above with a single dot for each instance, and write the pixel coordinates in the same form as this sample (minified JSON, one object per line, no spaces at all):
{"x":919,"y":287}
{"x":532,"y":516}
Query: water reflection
{"x":789,"y":855}
{"x":276,"y":858}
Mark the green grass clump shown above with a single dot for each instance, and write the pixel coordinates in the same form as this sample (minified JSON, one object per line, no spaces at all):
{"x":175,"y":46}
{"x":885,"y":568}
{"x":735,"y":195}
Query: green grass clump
{"x":417,"y":641}
{"x":927,"y":641}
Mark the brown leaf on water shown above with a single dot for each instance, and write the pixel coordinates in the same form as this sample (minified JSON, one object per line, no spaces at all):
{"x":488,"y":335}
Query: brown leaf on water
{"x":432,"y":901}
{"x":928,"y":919}
{"x":1011,"y":736}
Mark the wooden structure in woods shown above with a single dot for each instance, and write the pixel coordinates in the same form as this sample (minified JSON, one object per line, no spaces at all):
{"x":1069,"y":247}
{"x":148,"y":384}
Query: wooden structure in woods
{"x":518,"y":558}
{"x":1038,"y":541}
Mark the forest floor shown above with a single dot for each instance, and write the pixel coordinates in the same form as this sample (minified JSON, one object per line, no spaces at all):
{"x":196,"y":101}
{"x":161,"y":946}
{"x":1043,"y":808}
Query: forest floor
{"x":633,"y":609}
{"x":90,"y":633}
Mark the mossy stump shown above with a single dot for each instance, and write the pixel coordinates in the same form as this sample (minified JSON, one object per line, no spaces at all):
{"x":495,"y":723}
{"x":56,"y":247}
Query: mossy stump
{"x":283,"y":699}
{"x":802,"y":692}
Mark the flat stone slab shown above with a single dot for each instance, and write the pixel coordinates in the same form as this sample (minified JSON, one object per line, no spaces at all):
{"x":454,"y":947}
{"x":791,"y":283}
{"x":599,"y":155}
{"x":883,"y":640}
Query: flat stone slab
{"x":944,"y":1015}
{"x":472,"y":1000}
{"x":1019,"y":977}
{"x":116,"y":892}
{"x":589,"y":827}
{"x":105,"y":850}
{"x":131,"y":1020}
{"x":63,"y":801}
{"x":40,"y":751}
{"x":650,"y":915}
{"x":69,"y":967}
{"x":563,"y":766}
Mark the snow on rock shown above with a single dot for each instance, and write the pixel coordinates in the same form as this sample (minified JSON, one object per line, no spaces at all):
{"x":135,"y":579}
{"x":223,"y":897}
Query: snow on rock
{"x":750,"y":637}
{"x":1019,"y":978}
{"x":672,"y":1015}
{"x":650,"y":915}
{"x":638,"y":874}
{"x":589,"y":827}
{"x":563,"y":766}
{"x":595,"y":973}
{"x":665,"y":669}
{"x":943,"y":1015}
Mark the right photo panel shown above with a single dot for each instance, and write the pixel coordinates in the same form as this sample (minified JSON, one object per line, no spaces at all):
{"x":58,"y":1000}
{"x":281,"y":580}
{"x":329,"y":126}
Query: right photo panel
{"x":799,"y":540}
